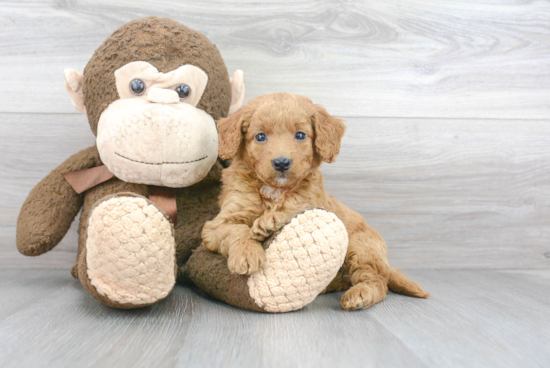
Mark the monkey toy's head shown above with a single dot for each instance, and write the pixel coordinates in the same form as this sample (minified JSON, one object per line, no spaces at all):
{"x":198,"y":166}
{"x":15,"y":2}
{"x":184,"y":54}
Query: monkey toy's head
{"x":152,"y":92}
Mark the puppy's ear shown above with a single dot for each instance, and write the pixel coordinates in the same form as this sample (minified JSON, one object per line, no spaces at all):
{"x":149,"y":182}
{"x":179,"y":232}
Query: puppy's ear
{"x":329,"y":131}
{"x":230,"y":132}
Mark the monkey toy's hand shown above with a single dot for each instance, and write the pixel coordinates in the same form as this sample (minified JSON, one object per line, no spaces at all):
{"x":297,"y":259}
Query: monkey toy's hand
{"x":265,"y":225}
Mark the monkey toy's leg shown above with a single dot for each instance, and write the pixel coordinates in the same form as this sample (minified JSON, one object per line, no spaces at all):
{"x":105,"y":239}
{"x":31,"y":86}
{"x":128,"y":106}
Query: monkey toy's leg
{"x":301,"y":260}
{"x":128,"y":258}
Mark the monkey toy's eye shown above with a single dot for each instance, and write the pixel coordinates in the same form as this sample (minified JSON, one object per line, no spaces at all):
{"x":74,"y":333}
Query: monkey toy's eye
{"x":300,"y":136}
{"x":183,"y":91}
{"x":137,"y":86}
{"x":260,"y":137}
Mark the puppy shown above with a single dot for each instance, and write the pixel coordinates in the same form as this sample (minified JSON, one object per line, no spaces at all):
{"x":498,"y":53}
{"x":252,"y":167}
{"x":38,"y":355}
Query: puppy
{"x":277,"y":143}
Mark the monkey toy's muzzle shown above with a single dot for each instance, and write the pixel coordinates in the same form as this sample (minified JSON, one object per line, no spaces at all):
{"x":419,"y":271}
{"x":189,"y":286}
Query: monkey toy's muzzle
{"x":165,"y":143}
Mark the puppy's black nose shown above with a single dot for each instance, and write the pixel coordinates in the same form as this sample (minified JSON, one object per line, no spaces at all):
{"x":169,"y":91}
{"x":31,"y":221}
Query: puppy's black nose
{"x":281,"y":164}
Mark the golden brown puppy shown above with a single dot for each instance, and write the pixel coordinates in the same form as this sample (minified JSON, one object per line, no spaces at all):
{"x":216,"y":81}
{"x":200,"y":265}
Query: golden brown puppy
{"x":277,"y":143}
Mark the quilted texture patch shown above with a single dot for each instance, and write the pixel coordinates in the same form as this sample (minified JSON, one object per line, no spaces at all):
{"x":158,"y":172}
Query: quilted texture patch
{"x":301,"y":261}
{"x":130,"y":251}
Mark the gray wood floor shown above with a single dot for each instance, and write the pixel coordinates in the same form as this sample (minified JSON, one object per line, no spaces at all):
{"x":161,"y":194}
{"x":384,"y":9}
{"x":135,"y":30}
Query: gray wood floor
{"x":474,"y":319}
{"x":447,"y":155}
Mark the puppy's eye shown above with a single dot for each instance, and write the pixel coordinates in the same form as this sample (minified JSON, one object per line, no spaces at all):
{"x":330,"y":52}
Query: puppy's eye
{"x":137,"y":87}
{"x":183,"y":91}
{"x":300,"y":136}
{"x":260,"y":137}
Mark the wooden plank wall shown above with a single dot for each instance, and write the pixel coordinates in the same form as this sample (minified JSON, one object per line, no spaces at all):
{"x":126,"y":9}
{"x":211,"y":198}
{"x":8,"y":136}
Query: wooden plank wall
{"x":447,"y":103}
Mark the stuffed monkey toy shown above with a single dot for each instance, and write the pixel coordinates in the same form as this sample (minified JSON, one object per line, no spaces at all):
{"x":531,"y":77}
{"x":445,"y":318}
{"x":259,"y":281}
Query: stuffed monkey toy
{"x":152,"y":93}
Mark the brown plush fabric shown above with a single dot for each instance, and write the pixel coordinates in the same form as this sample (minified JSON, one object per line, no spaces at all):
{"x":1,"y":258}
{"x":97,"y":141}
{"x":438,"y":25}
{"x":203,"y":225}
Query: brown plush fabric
{"x":210,"y":273}
{"x":196,"y":205}
{"x":52,"y":205}
{"x":165,"y":44}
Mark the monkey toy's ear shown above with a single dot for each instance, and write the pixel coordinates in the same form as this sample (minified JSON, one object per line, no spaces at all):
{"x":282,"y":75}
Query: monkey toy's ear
{"x":74,"y":81}
{"x":237,"y":91}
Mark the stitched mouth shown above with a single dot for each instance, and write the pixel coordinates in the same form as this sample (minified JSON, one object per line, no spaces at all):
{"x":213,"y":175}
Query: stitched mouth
{"x":160,"y":163}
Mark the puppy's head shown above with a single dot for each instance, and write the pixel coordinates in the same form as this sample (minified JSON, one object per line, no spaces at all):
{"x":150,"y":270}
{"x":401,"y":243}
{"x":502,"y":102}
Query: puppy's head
{"x":282,"y":137}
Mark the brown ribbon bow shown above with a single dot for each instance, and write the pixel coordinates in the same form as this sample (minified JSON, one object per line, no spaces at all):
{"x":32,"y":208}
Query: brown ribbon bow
{"x":82,"y":180}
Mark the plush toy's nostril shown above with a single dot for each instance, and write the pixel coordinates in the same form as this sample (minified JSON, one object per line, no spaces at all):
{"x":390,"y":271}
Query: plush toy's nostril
{"x":282,"y":164}
{"x":161,"y":95}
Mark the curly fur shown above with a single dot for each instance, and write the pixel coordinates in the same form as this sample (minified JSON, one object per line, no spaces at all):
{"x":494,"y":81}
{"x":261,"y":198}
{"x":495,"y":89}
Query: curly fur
{"x":257,"y":200}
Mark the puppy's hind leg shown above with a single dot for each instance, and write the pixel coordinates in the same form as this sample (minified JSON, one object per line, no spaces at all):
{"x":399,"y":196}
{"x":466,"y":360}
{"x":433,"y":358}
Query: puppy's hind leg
{"x":369,"y":271}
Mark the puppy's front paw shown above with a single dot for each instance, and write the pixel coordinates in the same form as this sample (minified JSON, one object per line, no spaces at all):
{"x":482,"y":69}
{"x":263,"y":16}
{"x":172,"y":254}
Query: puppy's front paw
{"x":360,"y":296}
{"x":266,"y":225}
{"x":261,"y":229}
{"x":246,"y":258}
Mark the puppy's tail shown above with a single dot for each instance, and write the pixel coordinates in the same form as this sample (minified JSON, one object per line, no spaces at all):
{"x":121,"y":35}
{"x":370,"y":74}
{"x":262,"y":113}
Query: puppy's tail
{"x":401,"y":284}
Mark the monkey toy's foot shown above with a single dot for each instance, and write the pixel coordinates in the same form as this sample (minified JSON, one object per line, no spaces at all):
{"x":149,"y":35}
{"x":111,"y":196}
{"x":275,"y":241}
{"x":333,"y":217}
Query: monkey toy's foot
{"x":129,"y":260}
{"x":301,"y":261}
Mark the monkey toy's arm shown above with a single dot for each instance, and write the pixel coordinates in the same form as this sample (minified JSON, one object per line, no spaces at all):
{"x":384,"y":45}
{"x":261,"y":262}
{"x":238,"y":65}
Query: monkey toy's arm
{"x":52,"y":206}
